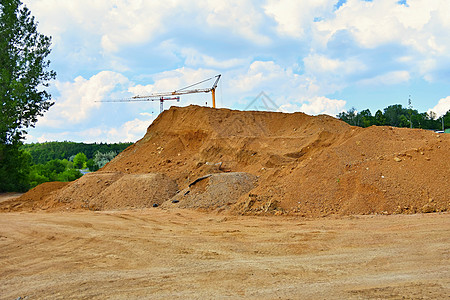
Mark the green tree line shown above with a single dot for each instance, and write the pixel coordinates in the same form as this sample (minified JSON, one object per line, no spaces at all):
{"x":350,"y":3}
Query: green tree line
{"x":53,"y":170}
{"x":396,"y":116}
{"x":59,"y":162}
{"x":44,"y":152}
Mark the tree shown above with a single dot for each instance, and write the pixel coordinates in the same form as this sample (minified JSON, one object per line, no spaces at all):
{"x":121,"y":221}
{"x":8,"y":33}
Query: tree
{"x":379,"y":118}
{"x":24,"y":75}
{"x":92,"y":166}
{"x":351,"y":117}
{"x":101,"y":159}
{"x":79,"y":160}
{"x":446,"y":119}
{"x":367,"y":119}
{"x":393,"y":114}
{"x":14,"y":169}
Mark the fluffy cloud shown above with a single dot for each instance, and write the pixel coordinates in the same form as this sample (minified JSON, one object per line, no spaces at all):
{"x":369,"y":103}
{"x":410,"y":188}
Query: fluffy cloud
{"x":242,"y":17}
{"x":295,"y":18}
{"x":121,"y":23}
{"x":442,"y":107}
{"x":102,"y":32}
{"x":418,"y":30}
{"x":390,"y":78}
{"x":130,"y":131}
{"x":79,"y":98}
{"x":419,"y":24}
{"x":196,"y":59}
{"x":299,"y":92}
{"x":323,"y":105}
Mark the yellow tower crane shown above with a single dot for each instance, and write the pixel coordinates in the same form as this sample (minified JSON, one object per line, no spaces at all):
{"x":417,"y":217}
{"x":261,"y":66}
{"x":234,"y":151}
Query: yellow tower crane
{"x":161,"y":97}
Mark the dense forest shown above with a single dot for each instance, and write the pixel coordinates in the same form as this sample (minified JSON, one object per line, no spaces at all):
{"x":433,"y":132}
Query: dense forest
{"x":44,"y":152}
{"x":396,"y":116}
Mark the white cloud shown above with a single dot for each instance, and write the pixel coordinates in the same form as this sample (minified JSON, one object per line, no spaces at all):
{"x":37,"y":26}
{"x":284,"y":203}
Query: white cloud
{"x":48,"y":137}
{"x":390,"y":78}
{"x":121,"y":23}
{"x":294,"y":18}
{"x":193,"y":58}
{"x":292,"y":92}
{"x":316,"y":106}
{"x":326,"y":75}
{"x":317,"y":63}
{"x":442,"y":107}
{"x":129,"y":131}
{"x":137,"y":22}
{"x":421,"y":27}
{"x":241,"y":17}
{"x":264,"y":76}
{"x":371,"y":23}
{"x":79,"y":98}
{"x":323,"y":105}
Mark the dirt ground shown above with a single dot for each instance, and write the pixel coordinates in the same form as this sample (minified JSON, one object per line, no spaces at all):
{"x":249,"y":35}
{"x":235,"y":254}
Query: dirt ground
{"x":185,"y":254}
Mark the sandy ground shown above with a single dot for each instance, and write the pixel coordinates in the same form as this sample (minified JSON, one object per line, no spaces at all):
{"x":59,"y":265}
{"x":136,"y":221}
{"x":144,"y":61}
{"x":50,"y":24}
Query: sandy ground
{"x":183,"y":254}
{"x":9,"y":196}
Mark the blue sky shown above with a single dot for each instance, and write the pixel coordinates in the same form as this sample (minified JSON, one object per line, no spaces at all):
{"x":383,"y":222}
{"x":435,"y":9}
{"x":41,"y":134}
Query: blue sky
{"x":314,"y":56}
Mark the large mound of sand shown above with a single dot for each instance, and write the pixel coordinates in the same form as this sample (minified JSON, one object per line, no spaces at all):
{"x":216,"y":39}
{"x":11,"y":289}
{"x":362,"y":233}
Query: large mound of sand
{"x":305,"y":165}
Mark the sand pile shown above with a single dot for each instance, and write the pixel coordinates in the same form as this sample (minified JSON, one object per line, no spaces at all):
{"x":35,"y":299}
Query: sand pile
{"x":304,"y":165}
{"x":116,"y":190}
{"x":136,"y":191}
{"x":35,"y":199}
{"x":213,"y":191}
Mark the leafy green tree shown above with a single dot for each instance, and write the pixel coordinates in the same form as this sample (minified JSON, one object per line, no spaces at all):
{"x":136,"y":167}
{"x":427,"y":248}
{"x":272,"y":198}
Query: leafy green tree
{"x":23,"y":70}
{"x":69,"y":175}
{"x":101,"y":159}
{"x":92,"y":166}
{"x":380,"y":119}
{"x":54,"y":170}
{"x":14,"y":169}
{"x":366,"y":118}
{"x":351,"y":117}
{"x":446,"y":120}
{"x":393,"y":115}
{"x":79,"y":160}
{"x":24,"y":75}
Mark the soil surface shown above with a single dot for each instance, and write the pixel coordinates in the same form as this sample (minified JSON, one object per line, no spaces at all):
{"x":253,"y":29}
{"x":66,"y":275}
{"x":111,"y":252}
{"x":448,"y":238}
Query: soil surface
{"x":185,"y":254}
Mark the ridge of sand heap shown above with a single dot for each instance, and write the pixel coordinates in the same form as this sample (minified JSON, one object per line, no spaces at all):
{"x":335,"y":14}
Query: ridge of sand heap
{"x":305,"y":165}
